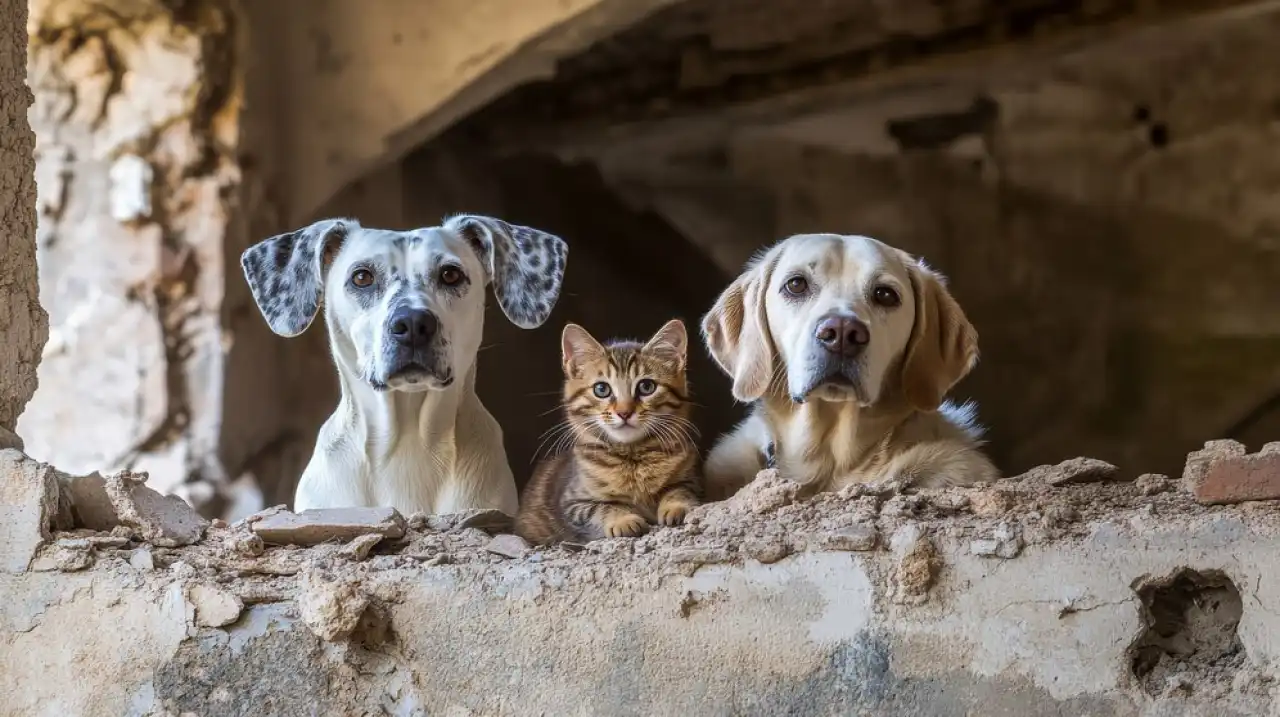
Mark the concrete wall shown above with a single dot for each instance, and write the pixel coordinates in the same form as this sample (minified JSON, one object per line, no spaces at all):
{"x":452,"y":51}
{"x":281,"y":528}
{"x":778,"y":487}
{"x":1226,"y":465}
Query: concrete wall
{"x":24,"y":325}
{"x":136,"y":116}
{"x":1027,"y":600}
{"x":365,"y":88}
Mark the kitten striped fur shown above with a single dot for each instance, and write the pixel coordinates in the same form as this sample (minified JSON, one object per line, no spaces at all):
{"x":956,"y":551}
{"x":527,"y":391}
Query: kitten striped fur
{"x":632,"y":459}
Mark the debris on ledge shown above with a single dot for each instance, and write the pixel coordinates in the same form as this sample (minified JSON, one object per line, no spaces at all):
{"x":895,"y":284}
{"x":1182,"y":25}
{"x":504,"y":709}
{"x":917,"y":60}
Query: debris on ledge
{"x":1223,"y":472}
{"x":323,"y":525}
{"x":1040,"y":559}
{"x":55,"y":522}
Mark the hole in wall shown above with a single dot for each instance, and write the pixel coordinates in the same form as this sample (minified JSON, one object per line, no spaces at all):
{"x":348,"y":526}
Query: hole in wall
{"x":1158,"y":135}
{"x":1190,"y":635}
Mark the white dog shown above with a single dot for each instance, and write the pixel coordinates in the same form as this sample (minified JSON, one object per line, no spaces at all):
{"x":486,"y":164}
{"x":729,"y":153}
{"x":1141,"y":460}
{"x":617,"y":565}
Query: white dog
{"x":405,"y":313}
{"x":847,"y":347}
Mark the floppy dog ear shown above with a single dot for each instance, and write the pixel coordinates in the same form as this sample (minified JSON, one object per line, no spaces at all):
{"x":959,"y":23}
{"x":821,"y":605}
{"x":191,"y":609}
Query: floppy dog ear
{"x":943,"y":347}
{"x":286,"y":273}
{"x":524,"y":265}
{"x":736,"y":331}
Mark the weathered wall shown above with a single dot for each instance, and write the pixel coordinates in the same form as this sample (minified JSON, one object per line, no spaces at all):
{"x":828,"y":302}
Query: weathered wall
{"x":24,"y":325}
{"x":1026,"y":599}
{"x":365,"y":88}
{"x":136,"y":117}
{"x":1105,"y":205}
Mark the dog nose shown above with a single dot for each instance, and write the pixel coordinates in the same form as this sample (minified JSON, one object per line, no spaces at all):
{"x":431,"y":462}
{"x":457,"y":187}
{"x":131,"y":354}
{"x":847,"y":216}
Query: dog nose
{"x":413,"y":327}
{"x":842,"y":334}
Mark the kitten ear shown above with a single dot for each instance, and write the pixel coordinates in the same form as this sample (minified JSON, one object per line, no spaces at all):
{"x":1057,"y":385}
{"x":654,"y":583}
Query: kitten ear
{"x":577,"y":347}
{"x":671,"y":341}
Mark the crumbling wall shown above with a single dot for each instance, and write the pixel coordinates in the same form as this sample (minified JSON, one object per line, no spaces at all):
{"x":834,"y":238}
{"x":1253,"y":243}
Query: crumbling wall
{"x":1069,"y":590}
{"x":24,"y":325}
{"x":136,"y":117}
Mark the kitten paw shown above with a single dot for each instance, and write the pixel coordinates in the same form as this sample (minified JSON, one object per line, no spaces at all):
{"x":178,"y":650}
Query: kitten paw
{"x":672,"y":514}
{"x":625,"y":526}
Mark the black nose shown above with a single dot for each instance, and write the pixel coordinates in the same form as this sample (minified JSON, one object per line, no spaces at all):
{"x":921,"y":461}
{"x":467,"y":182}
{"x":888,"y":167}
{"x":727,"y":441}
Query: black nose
{"x":842,"y":334}
{"x":412,"y":327}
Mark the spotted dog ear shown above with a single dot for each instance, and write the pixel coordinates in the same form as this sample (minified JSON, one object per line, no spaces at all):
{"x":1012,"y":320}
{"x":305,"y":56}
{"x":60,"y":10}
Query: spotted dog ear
{"x":286,"y":273}
{"x":524,"y":265}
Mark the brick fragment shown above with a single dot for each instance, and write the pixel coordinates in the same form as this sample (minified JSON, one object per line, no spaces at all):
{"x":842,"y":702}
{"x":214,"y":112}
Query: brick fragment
{"x":1223,"y":473}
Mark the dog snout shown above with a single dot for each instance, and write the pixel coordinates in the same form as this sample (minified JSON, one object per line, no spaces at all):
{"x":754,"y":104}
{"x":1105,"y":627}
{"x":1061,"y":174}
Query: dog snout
{"x":842,"y":334}
{"x":413,"y":327}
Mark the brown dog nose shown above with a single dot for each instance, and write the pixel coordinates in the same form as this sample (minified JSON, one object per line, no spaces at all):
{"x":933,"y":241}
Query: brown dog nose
{"x":843,"y":334}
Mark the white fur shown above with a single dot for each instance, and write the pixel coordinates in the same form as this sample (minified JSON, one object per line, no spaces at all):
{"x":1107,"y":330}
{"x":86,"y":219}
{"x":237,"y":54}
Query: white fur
{"x":409,"y":431}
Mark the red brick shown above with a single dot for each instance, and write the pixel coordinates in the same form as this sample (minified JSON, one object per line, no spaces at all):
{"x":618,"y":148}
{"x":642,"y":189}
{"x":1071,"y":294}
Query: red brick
{"x":1223,"y":473}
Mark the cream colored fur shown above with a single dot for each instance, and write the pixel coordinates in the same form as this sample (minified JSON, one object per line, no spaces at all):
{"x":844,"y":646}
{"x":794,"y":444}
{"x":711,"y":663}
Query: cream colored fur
{"x":890,"y":422}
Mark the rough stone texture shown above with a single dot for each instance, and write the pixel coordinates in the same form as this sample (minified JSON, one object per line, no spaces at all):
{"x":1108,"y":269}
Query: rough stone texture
{"x":321,"y":525}
{"x":1093,"y":616}
{"x":164,"y":520}
{"x":1222,"y":472}
{"x":91,"y":506}
{"x":136,"y":116}
{"x":24,"y":325}
{"x":508,"y":546}
{"x":214,"y":606}
{"x":1079,"y":470}
{"x":28,"y":506}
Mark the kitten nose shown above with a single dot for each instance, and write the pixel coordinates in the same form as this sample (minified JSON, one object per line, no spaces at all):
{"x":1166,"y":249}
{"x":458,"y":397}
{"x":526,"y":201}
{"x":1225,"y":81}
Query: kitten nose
{"x":843,"y":334}
{"x":412,"y":327}
{"x":624,"y":414}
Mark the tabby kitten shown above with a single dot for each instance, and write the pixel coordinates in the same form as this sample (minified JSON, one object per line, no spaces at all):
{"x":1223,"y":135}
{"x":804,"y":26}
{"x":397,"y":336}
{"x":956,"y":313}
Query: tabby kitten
{"x":633,"y":460}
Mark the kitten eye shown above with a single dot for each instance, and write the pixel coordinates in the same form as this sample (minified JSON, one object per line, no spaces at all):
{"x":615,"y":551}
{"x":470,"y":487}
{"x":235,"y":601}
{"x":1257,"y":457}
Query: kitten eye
{"x":362,"y":278}
{"x":601,"y":389}
{"x":886,"y":297}
{"x":797,"y":286}
{"x":646,"y":387}
{"x":451,"y":276}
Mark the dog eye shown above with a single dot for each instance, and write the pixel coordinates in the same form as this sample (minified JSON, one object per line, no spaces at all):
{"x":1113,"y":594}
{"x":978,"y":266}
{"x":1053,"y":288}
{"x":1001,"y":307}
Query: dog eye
{"x":886,"y":296}
{"x":646,"y":387}
{"x":362,"y":278}
{"x":450,"y":276}
{"x":797,"y":286}
{"x":601,"y":389}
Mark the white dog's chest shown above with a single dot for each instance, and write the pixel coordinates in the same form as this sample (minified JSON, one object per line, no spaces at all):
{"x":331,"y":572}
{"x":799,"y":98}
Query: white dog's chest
{"x":411,"y":479}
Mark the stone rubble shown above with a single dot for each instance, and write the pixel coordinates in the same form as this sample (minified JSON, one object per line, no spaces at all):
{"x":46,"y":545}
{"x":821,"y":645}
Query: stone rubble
{"x":1224,"y":472}
{"x":324,"y":560}
{"x":322,"y":525}
{"x":28,"y":505}
{"x":163,"y":520}
{"x":1076,"y":470}
{"x":508,"y":546}
{"x":359,"y":547}
{"x":331,"y":607}
{"x":214,"y":606}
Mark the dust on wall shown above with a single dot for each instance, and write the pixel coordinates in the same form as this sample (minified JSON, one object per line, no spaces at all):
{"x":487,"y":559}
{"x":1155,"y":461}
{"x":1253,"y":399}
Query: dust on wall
{"x":136,"y":118}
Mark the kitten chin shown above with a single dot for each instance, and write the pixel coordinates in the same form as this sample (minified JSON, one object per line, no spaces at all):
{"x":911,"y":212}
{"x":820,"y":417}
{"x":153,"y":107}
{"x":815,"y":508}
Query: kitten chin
{"x":632,"y":459}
